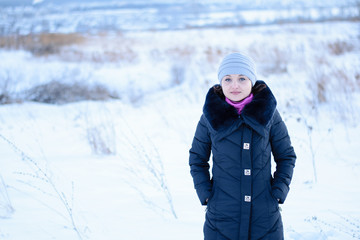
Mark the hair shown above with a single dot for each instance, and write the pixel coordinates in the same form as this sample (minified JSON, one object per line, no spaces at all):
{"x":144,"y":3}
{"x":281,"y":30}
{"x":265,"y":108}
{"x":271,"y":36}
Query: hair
{"x":255,"y":89}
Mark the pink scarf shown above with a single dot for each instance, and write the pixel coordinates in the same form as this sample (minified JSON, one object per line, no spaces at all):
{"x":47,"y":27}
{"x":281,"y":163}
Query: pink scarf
{"x":240,"y":105}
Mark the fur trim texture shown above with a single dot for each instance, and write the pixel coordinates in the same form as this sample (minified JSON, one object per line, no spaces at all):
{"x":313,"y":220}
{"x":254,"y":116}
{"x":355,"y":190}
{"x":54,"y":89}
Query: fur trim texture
{"x":221,"y":115}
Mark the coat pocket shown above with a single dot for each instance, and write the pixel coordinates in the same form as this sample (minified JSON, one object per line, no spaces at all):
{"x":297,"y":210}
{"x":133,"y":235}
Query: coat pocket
{"x":273,"y":202}
{"x":274,"y":198}
{"x":212,"y":193}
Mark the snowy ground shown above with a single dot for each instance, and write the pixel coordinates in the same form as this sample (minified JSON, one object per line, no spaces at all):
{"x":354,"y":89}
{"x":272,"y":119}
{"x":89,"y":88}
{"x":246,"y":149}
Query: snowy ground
{"x":54,"y":186}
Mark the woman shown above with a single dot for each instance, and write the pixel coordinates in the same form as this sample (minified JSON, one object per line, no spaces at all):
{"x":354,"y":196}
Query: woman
{"x":241,"y":127}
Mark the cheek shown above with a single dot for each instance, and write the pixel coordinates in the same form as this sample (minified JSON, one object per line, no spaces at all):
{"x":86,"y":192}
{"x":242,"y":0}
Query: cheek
{"x":248,"y":86}
{"x":225,"y":88}
{"x":225,"y":91}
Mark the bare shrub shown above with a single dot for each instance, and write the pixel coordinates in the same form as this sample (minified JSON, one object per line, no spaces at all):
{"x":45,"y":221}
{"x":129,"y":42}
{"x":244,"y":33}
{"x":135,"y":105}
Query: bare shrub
{"x":101,"y":136}
{"x":279,"y":59}
{"x":357,"y":79}
{"x":178,"y":75}
{"x":97,"y":142}
{"x":99,"y":129}
{"x":340,"y":47}
{"x":40,"y":44}
{"x":56,"y":92}
{"x":122,"y":54}
{"x":125,"y":53}
{"x":156,"y":55}
{"x":5,"y":96}
{"x":7,"y":86}
{"x":214,"y":54}
{"x":135,"y":96}
{"x":334,"y":86}
{"x":318,"y":84}
{"x":113,"y":48}
{"x":42,"y":176}
{"x":147,"y":170}
{"x":177,"y":53}
{"x":329,"y":82}
{"x":271,"y":60}
{"x":6,"y":208}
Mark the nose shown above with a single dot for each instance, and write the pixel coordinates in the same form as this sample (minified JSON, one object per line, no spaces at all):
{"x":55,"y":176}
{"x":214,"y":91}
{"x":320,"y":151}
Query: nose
{"x":236,"y":84}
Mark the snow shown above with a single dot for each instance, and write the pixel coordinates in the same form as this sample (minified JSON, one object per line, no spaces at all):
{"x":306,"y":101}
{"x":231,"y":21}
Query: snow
{"x":55,"y":184}
{"x":94,"y":16}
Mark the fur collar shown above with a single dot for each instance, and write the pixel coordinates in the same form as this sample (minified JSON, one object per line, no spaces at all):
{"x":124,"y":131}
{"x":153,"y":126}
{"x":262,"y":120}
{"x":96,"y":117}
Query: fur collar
{"x":221,"y":115}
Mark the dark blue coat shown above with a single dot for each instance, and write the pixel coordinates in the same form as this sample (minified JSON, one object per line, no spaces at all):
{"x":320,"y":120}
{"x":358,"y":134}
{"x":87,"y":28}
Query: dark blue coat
{"x":243,"y":197}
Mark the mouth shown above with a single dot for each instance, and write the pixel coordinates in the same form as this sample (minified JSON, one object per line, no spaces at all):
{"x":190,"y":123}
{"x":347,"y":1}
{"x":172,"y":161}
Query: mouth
{"x":235,"y":93}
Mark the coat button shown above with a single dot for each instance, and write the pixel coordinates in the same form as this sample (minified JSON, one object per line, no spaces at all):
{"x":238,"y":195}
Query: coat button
{"x":247,"y":172}
{"x":247,"y":146}
{"x":247,"y":198}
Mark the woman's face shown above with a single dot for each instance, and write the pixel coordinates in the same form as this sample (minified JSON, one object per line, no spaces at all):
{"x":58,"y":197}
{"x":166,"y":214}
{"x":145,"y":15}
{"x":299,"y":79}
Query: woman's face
{"x":236,"y":87}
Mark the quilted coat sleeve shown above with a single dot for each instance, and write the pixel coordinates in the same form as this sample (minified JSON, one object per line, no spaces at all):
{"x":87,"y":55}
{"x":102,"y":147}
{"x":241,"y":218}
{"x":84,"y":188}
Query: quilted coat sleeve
{"x":284,"y":157}
{"x":199,"y":161}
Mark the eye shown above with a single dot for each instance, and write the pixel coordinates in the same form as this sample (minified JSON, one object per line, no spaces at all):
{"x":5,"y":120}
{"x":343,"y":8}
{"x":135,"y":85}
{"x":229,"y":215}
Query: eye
{"x":227,"y":79}
{"x":242,"y":79}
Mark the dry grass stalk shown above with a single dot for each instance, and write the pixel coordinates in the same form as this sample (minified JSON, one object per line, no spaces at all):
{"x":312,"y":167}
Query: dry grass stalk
{"x":214,"y":54}
{"x":184,"y":52}
{"x":340,"y":47}
{"x":41,"y":44}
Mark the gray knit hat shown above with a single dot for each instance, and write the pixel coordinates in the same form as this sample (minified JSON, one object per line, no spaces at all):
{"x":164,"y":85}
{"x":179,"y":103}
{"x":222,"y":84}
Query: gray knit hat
{"x":237,"y":63}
